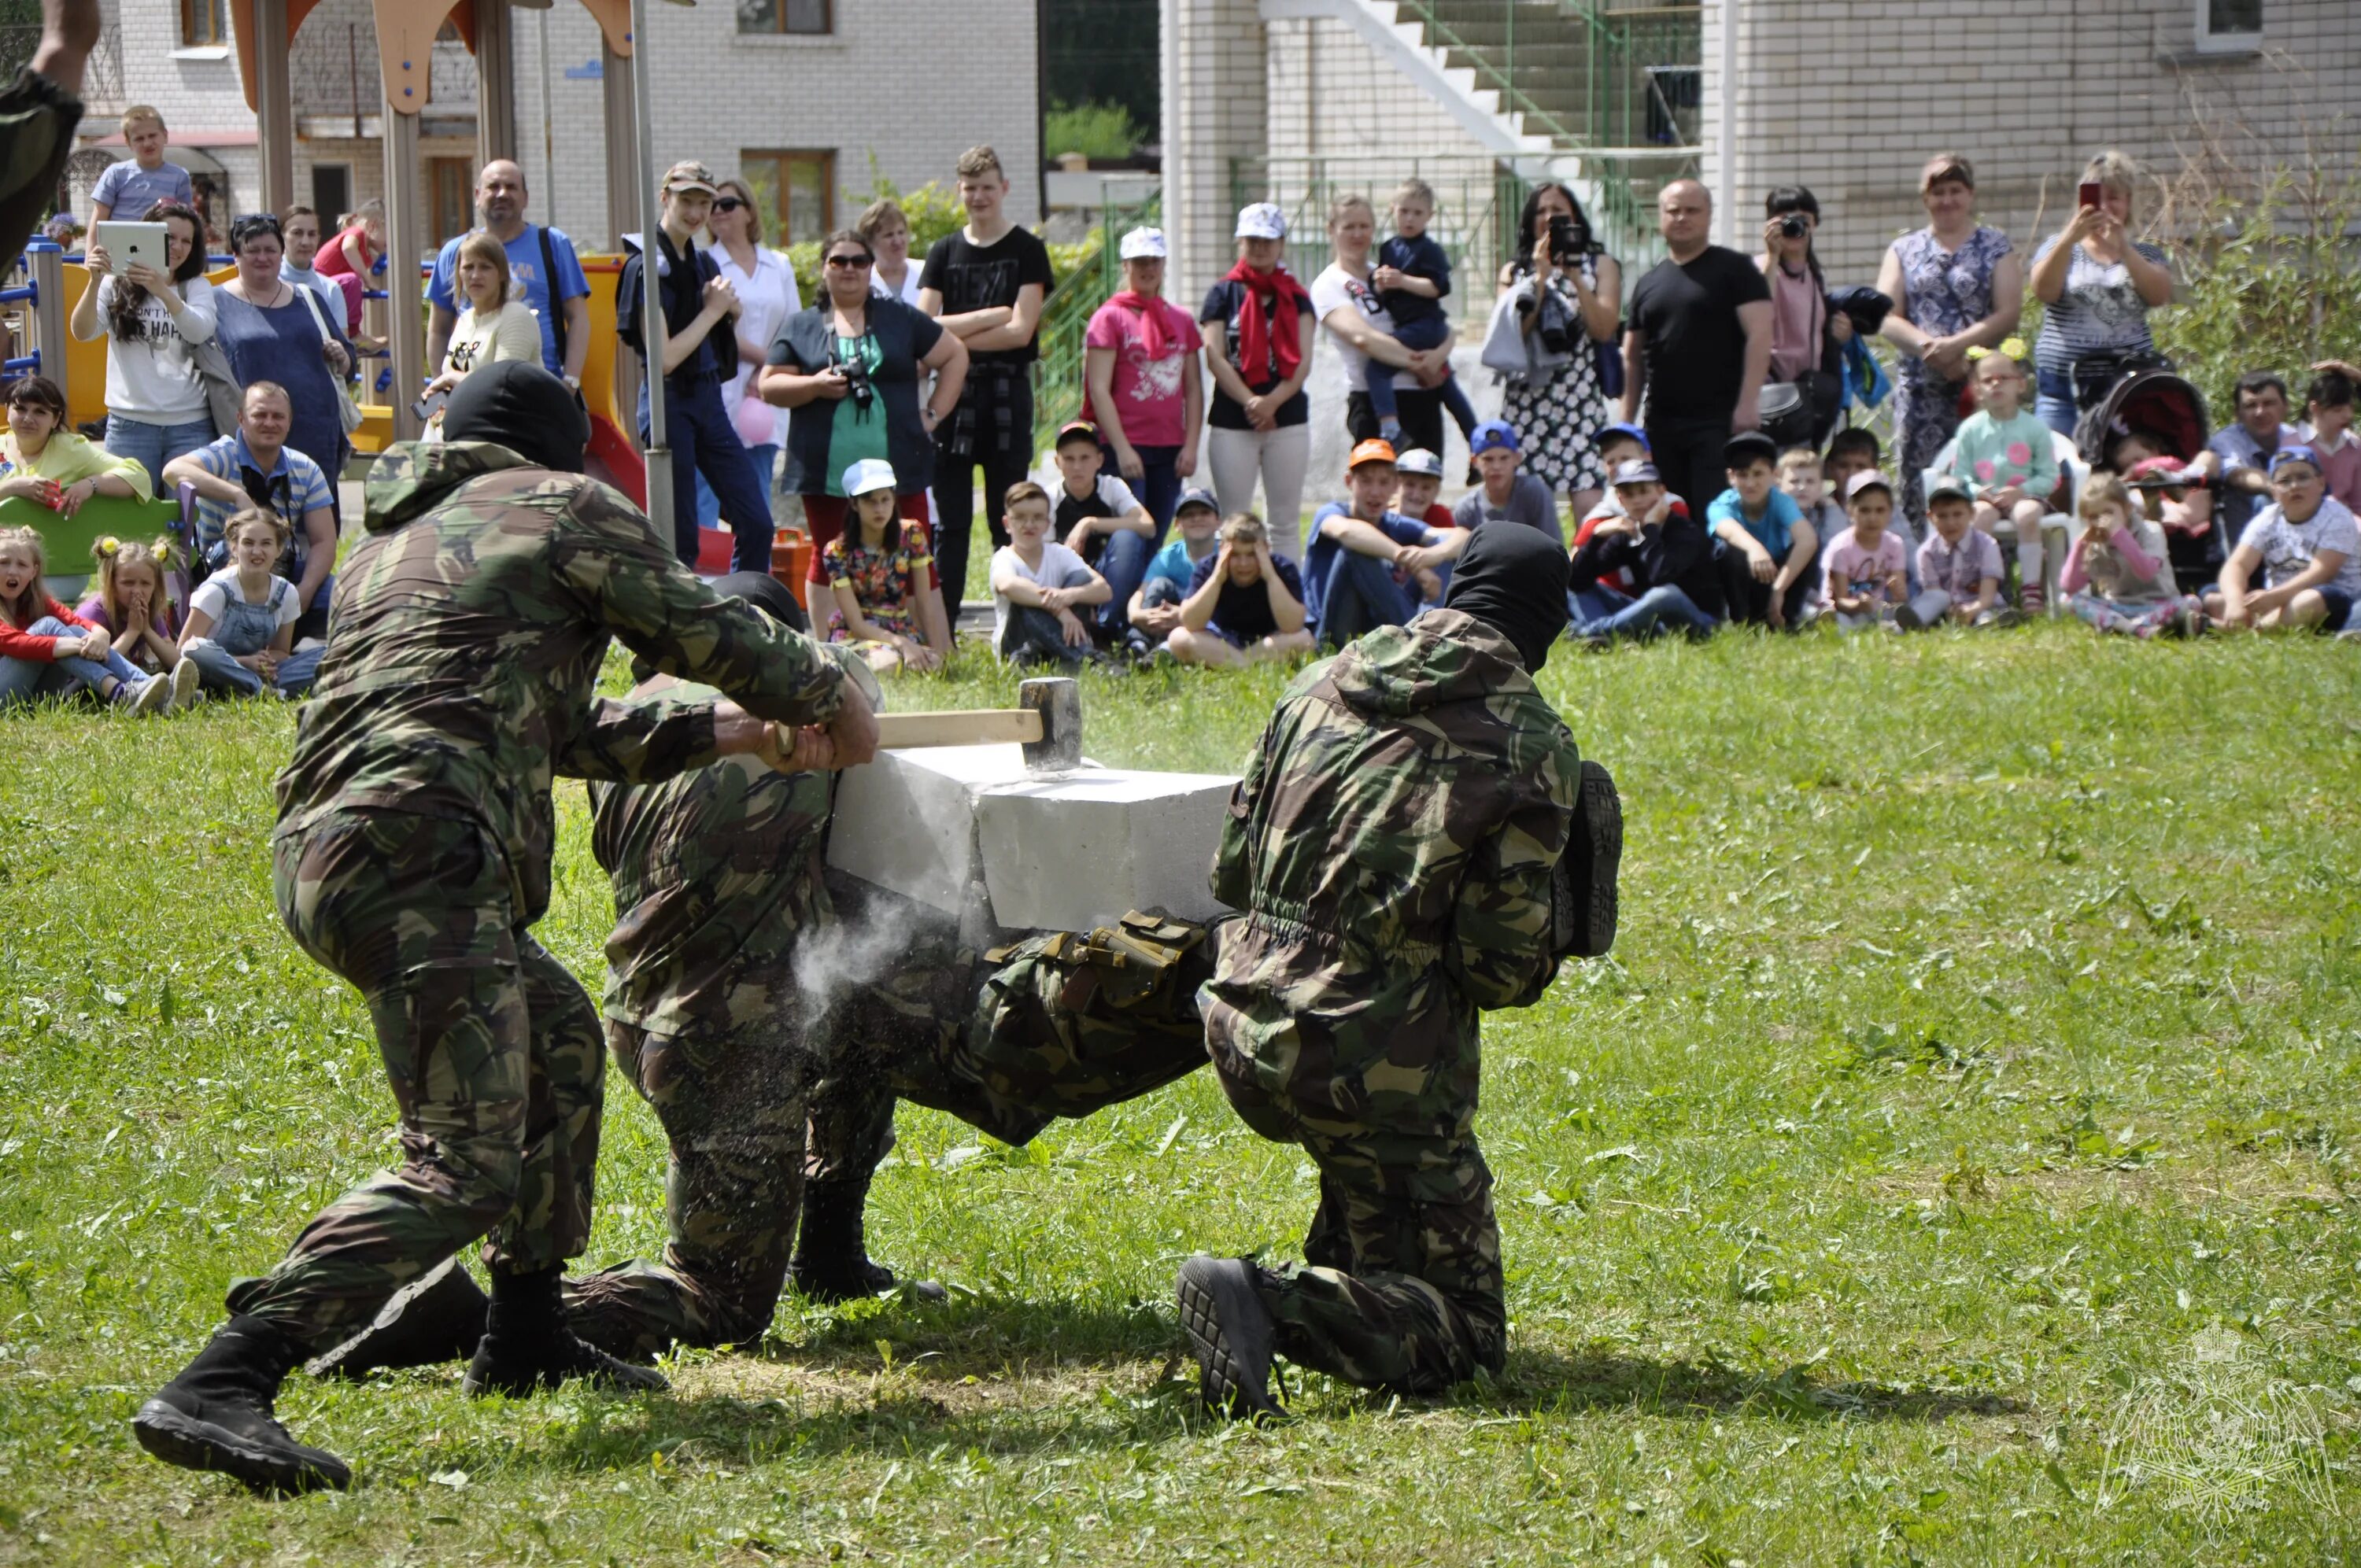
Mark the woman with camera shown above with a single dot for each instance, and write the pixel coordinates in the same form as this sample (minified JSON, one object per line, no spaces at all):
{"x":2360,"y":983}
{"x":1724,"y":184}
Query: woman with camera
{"x":848,"y":368}
{"x":1577,"y":293}
{"x":2096,"y":285}
{"x":1807,"y":337}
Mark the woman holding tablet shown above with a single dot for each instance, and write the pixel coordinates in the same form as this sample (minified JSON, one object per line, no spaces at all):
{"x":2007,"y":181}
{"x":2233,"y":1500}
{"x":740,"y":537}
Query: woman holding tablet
{"x":152,"y":320}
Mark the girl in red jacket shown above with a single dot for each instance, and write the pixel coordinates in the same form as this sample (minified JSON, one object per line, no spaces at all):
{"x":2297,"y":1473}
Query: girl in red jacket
{"x":45,"y":648}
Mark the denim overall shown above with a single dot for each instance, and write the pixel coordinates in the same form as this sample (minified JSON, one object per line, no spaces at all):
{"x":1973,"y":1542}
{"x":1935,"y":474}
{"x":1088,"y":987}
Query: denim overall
{"x":246,"y":629}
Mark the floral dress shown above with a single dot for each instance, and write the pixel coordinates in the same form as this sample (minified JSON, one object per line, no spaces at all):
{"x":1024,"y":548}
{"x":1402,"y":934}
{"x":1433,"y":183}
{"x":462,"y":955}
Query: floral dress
{"x":1558,"y":420}
{"x":885,"y":583}
{"x":1944,"y":292}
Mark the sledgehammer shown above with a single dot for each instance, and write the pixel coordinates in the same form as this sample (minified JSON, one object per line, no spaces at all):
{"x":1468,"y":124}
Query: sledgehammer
{"x":1048,"y":725}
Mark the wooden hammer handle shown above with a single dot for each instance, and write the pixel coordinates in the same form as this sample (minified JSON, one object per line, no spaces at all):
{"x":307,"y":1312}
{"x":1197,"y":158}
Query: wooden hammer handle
{"x":971,"y":727}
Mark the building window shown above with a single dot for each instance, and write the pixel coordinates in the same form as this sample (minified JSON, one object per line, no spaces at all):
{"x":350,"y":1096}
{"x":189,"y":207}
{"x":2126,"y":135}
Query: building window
{"x":205,"y":24}
{"x":797,"y":190}
{"x":450,"y":197}
{"x":2229,"y":25}
{"x":811,"y":17}
{"x":331,"y":193}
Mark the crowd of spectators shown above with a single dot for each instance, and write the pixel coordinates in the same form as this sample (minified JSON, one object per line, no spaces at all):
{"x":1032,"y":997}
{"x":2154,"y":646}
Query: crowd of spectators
{"x":1688,"y":440}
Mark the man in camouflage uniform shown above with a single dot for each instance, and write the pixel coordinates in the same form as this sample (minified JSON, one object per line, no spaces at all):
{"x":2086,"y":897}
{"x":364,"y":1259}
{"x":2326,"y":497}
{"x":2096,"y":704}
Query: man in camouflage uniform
{"x":412,"y":856}
{"x":1393,"y":849}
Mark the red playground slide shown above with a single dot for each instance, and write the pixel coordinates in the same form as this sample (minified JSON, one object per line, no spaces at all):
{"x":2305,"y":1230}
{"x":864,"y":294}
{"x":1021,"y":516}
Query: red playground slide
{"x":613,"y":459}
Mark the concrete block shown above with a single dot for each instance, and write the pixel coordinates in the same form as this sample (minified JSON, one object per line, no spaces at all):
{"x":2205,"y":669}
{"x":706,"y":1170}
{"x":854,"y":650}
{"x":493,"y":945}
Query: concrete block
{"x":967,"y":830}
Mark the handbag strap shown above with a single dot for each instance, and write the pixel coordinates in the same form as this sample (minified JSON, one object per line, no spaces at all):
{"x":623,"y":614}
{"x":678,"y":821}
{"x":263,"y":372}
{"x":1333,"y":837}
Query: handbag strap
{"x":312,"y":303}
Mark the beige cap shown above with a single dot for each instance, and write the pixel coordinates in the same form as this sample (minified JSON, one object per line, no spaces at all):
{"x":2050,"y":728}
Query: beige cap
{"x":690,"y":175}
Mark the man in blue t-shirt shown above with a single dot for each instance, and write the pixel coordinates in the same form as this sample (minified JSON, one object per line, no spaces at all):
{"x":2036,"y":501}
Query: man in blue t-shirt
{"x":539,"y":258}
{"x":1367,"y":565}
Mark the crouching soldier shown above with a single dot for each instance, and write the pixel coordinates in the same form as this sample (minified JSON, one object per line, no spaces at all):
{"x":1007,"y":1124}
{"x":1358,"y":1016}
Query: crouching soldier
{"x":412,"y":857}
{"x":1342,"y":1012}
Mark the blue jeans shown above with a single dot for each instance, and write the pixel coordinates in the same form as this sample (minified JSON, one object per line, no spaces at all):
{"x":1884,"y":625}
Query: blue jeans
{"x":1598,"y":613}
{"x":1158,"y":485}
{"x":1361,"y":595}
{"x":2053,"y":402}
{"x":765,"y":459}
{"x":705,"y":445}
{"x":218,"y":670}
{"x":157,"y":444}
{"x":22,"y":680}
{"x":1123,"y":564}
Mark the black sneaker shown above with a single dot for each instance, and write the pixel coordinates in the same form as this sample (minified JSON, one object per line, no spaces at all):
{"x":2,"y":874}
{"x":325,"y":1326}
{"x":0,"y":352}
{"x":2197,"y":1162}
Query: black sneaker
{"x":435,"y":1317}
{"x":219,"y":1415}
{"x":1231,"y":1333}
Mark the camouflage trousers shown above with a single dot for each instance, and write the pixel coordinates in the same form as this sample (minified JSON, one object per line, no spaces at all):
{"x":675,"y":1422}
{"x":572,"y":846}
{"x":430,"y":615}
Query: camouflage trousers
{"x":734,"y":1110}
{"x":1401,"y":1286}
{"x":490,"y":1047}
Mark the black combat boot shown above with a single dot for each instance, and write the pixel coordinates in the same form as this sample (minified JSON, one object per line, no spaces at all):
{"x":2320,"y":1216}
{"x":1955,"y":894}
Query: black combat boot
{"x":1231,"y":1330}
{"x":1232,"y":1333}
{"x":528,"y":1346}
{"x":831,"y":1262}
{"x":217,"y":1414}
{"x":437,"y":1317}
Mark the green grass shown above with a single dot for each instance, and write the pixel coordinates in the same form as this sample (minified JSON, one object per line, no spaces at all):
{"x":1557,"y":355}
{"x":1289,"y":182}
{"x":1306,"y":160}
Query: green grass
{"x":1981,"y":1033}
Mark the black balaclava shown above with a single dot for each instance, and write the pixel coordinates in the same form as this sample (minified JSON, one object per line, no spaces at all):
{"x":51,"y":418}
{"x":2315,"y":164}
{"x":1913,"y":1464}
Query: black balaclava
{"x":519,"y":405}
{"x":1512,"y":578}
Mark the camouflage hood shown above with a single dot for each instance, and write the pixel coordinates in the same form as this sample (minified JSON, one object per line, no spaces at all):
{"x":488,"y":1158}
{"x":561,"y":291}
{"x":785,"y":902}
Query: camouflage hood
{"x":414,"y":477}
{"x":1441,"y":658}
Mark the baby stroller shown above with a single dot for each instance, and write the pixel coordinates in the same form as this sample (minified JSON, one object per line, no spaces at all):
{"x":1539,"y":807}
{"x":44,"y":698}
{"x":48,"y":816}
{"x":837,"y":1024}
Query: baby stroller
{"x":2155,"y":398}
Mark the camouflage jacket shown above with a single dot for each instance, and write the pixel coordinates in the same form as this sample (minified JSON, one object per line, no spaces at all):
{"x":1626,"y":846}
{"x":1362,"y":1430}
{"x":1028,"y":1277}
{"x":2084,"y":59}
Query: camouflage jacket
{"x":717,"y":874}
{"x":464,"y":641}
{"x":1392,"y":840}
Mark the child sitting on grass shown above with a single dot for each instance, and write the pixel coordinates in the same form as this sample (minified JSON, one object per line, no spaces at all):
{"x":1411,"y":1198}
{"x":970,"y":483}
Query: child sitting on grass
{"x":1863,"y":582}
{"x":1155,"y":609}
{"x":42,"y":463}
{"x":1766,"y":548}
{"x":2328,"y":430}
{"x":45,"y":648}
{"x":1960,"y":569}
{"x":1412,"y":279}
{"x":881,"y":574}
{"x":1420,"y":475}
{"x":1036,"y":584}
{"x":2306,"y":547}
{"x":127,"y":601}
{"x":1803,"y":478}
{"x":2119,"y":574}
{"x":2010,"y":465}
{"x":1618,"y":444}
{"x":242,"y":619}
{"x":1245,"y":605}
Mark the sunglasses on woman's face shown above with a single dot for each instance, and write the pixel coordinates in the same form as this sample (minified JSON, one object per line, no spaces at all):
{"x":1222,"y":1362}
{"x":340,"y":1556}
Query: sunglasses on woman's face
{"x":727,"y":204}
{"x":850,"y":260}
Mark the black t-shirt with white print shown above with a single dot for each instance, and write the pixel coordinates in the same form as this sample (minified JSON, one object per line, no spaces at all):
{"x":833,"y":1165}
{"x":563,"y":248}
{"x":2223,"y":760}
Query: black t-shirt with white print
{"x":978,"y":277}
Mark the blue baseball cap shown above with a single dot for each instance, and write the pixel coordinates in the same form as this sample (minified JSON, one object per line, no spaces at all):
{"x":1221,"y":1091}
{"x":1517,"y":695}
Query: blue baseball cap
{"x":1492,"y":436}
{"x":2298,"y":452}
{"x":1197,"y":496}
{"x":1633,"y":431}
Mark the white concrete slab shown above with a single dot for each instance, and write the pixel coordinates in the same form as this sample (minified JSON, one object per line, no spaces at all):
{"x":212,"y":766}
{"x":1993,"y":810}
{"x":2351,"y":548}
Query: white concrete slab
{"x":955,"y":826}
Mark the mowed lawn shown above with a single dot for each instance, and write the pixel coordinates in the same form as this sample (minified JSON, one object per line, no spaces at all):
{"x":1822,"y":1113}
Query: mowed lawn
{"x":1952,"y":1165}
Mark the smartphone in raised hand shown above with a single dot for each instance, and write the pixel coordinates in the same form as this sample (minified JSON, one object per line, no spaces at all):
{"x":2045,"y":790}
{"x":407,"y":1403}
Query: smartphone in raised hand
{"x":2094,"y":194}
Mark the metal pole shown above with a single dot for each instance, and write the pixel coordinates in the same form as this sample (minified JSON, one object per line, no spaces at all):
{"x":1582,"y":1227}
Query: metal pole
{"x":651,"y":316}
{"x":548,"y":134}
{"x":1726,"y":137}
{"x":406,"y":306}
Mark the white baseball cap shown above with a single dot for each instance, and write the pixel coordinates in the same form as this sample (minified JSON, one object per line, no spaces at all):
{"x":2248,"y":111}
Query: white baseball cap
{"x":868,"y":473}
{"x":1261,"y":220}
{"x":1144,"y":245}
{"x":1418,"y":460}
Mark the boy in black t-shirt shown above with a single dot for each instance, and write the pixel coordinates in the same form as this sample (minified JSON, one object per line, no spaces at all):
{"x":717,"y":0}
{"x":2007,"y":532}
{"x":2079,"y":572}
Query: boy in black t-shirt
{"x":1245,"y":605}
{"x":986,"y":285}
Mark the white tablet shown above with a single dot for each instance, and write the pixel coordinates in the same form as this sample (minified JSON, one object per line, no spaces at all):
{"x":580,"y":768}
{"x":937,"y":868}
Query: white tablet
{"x":147,"y":244}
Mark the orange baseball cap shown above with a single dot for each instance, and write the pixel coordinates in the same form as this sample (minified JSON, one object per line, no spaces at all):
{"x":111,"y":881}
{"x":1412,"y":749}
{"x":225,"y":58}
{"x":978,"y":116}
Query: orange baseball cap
{"x":1371,"y":451}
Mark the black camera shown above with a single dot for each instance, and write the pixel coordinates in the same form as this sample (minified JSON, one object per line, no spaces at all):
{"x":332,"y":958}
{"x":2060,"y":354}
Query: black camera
{"x":1570,"y":240}
{"x":1794,"y":226}
{"x":857,"y":384}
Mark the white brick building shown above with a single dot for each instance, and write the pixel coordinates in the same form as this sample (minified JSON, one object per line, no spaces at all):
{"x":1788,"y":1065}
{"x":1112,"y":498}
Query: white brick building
{"x":883,"y":88}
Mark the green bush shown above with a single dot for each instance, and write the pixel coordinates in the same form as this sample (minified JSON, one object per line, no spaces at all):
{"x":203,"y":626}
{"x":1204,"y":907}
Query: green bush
{"x":1095,"y":130}
{"x":933,"y":210}
{"x":2268,"y":284}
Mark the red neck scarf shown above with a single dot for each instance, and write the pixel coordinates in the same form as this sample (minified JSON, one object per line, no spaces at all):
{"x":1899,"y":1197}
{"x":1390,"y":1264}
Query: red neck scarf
{"x":1155,"y":338}
{"x":1267,"y":334}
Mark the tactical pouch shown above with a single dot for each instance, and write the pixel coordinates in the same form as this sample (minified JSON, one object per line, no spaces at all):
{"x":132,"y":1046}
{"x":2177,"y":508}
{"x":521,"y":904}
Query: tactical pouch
{"x":1583,"y":902}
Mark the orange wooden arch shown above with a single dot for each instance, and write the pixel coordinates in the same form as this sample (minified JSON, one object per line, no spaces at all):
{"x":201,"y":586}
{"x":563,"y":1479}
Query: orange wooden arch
{"x":405,"y":40}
